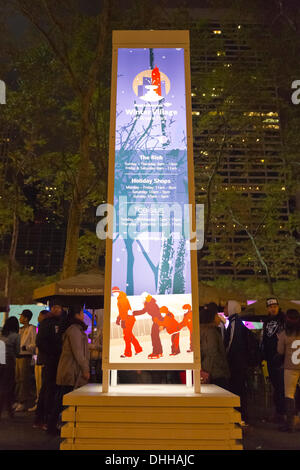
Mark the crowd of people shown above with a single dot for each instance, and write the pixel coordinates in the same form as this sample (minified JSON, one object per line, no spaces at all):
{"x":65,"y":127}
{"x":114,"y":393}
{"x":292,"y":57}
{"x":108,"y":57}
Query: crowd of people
{"x":228,"y":354}
{"x":64,"y":359}
{"x":62,"y":363}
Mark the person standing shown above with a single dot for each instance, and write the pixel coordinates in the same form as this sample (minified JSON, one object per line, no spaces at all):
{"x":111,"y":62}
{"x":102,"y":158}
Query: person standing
{"x":24,"y":370}
{"x":273,"y":325}
{"x":39,"y":368}
{"x":11,"y":338}
{"x":213,"y":355}
{"x":289,"y":346}
{"x":73,"y":369}
{"x":49,"y":344}
{"x":236,"y":347}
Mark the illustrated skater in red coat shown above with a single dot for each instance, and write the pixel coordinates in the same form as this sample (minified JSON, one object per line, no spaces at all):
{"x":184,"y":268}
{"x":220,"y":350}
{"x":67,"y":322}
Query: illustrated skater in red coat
{"x":151,"y":307}
{"x":188,"y":322}
{"x":172,"y":326}
{"x":127,"y":321}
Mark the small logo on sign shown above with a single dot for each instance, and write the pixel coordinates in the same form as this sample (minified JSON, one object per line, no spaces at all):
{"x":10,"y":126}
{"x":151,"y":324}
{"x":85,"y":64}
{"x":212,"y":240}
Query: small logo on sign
{"x":151,"y":85}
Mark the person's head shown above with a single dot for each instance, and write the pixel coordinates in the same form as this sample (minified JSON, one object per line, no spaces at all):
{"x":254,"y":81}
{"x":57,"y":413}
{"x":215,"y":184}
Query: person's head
{"x":231,"y":308}
{"x":10,"y":326}
{"x":213,"y":308}
{"x":56,"y":310}
{"x":164,"y":310}
{"x":206,"y":316}
{"x":186,"y":308}
{"x":115,"y":291}
{"x":76,"y":313}
{"x":292,"y":322}
{"x":25,"y":317}
{"x":42,"y":315}
{"x":272,"y":306}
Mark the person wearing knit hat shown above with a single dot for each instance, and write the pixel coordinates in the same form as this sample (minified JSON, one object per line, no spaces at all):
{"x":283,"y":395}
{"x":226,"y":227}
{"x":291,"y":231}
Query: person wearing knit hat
{"x":273,"y":325}
{"x":235,"y":342}
{"x":289,"y":346}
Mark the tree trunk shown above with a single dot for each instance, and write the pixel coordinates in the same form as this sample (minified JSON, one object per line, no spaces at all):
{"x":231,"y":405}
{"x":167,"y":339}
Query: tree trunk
{"x":11,"y":262}
{"x":257,"y":251}
{"x":80,"y":190}
{"x":71,"y":250}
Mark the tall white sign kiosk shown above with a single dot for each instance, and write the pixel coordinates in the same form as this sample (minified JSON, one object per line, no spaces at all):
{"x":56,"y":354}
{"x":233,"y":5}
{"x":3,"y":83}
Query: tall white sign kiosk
{"x":151,"y":310}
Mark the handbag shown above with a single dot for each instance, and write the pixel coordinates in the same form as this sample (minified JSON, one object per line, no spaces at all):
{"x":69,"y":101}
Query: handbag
{"x":204,"y":377}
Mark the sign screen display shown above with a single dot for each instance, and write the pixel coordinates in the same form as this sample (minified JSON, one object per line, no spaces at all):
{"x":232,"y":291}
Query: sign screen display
{"x":151,"y":313}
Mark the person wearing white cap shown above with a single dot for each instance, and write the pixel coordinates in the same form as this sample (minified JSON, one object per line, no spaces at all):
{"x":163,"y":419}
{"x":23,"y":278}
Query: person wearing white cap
{"x":273,"y":325}
{"x":235,"y":342}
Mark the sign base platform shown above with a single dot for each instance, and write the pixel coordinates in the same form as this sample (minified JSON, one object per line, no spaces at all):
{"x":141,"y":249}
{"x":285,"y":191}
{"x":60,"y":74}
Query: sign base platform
{"x":151,"y":417}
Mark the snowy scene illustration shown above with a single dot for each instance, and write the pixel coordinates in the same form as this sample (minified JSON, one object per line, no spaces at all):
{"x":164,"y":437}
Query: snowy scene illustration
{"x":151,"y":271}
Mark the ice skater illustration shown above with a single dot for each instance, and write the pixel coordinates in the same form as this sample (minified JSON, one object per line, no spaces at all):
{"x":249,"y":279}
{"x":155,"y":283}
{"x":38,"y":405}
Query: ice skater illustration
{"x":173,"y":328}
{"x":151,"y":307}
{"x":188,"y":322}
{"x":126,"y":320}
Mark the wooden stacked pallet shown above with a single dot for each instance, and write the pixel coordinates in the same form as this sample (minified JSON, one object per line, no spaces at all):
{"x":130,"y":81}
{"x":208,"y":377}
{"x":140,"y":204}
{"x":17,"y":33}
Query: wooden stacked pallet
{"x":149,"y":417}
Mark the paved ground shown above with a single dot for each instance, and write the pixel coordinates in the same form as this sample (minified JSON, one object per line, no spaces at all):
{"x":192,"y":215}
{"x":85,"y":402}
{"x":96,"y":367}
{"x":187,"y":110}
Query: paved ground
{"x":18,"y":434}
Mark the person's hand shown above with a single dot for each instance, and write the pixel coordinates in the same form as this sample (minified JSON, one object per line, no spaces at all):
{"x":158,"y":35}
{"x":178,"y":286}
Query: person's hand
{"x":86,"y":376}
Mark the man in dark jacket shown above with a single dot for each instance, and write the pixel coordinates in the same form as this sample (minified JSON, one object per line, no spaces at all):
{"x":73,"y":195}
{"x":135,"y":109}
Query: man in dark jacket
{"x":49,"y":344}
{"x":235,"y":342}
{"x":273,"y":325}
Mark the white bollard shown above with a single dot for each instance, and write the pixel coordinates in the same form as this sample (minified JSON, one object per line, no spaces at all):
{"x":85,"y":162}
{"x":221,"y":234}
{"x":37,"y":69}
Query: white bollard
{"x":189,"y":381}
{"x":113,"y":378}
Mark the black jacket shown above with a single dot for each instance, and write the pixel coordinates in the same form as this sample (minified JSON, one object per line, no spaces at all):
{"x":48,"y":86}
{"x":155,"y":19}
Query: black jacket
{"x":273,"y":325}
{"x":49,"y":340}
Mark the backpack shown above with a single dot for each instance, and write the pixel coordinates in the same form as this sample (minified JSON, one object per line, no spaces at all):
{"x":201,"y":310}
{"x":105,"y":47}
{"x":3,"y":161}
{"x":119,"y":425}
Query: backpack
{"x":253,"y":350}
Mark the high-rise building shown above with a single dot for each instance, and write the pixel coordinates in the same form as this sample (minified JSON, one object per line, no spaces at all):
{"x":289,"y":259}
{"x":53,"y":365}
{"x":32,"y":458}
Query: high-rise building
{"x":251,"y":156}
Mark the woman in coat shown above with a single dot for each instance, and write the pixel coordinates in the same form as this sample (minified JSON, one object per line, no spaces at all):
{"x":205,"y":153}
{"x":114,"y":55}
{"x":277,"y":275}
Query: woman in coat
{"x":74,"y":367}
{"x":10,"y":345}
{"x":213,"y":356}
